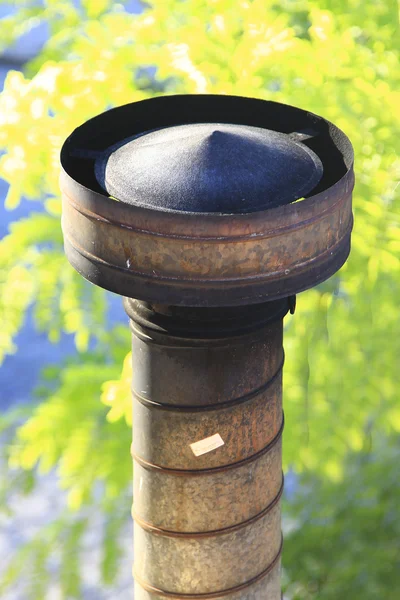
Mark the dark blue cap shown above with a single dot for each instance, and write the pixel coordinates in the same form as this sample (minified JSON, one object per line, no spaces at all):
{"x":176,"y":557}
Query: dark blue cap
{"x":209,"y":168}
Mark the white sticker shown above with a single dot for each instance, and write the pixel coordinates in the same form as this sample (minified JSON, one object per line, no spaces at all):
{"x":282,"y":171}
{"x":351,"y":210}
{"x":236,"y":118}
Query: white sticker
{"x":203,"y":446}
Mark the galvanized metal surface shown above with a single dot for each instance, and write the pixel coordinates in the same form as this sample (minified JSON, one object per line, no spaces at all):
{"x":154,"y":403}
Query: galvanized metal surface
{"x":206,"y":259}
{"x":265,"y":587}
{"x":201,"y":565}
{"x":196,"y":501}
{"x":208,"y":523}
{"x":247,"y":425}
{"x":210,"y":373}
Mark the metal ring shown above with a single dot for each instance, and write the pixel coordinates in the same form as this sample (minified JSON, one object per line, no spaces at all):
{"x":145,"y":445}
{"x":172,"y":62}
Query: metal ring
{"x":159,"y":338}
{"x":209,"y":596}
{"x":215,"y":532}
{"x":198,"y":472}
{"x":210,"y":407}
{"x":299,"y":268}
{"x":240,"y":321}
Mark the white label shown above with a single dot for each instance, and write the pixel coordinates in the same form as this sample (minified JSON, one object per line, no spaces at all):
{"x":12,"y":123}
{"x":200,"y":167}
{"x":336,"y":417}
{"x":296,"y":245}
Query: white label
{"x":203,"y":446}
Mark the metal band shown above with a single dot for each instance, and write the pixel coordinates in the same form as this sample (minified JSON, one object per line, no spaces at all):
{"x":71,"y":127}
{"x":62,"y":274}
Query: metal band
{"x":198,"y":472}
{"x":207,"y":534}
{"x":161,"y":339}
{"x":210,"y":596}
{"x":83,"y":210}
{"x":205,"y":322}
{"x":210,"y":407}
{"x":272,"y":276}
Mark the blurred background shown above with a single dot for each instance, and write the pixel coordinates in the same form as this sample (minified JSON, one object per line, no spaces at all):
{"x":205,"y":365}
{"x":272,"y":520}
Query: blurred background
{"x":65,"y":473}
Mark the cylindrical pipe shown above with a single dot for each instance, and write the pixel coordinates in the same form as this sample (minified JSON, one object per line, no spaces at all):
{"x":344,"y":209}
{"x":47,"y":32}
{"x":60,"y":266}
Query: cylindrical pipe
{"x":207,"y":426}
{"x":168,"y":200}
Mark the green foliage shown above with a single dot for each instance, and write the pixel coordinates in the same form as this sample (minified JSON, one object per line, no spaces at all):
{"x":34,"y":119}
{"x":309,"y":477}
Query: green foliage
{"x":33,"y":270}
{"x":70,"y":430}
{"x":339,"y":59}
{"x":57,"y":548}
{"x":343,"y":538}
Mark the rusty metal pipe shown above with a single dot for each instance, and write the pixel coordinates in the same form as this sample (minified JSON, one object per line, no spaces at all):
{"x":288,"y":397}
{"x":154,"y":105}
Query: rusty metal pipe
{"x":207,"y":450}
{"x":213,"y":212}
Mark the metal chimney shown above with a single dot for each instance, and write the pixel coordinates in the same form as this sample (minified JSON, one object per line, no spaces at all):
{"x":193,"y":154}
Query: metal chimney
{"x":208,"y":213}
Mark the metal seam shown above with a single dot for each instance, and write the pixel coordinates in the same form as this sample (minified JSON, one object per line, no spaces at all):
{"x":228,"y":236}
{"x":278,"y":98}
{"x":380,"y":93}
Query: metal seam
{"x":214,"y":532}
{"x":190,"y":342}
{"x":178,"y":332}
{"x":198,"y":472}
{"x":210,"y":595}
{"x":211,"y":407}
{"x":271,"y":276}
{"x":268,"y":234}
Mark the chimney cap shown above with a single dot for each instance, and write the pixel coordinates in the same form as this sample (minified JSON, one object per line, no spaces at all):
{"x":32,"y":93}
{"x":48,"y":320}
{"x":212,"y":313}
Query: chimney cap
{"x":200,"y":256}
